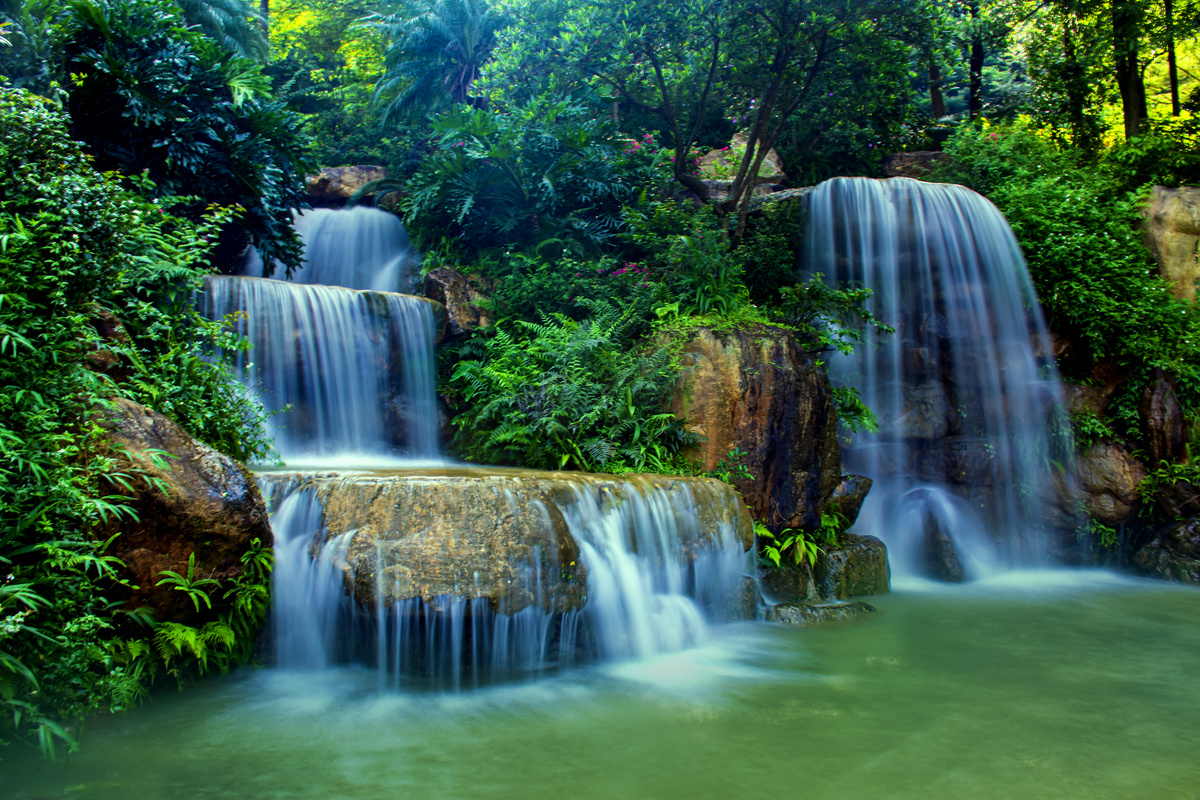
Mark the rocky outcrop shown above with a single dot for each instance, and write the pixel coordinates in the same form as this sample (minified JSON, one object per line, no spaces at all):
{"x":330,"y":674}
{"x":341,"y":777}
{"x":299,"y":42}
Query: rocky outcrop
{"x":917,"y":164}
{"x":848,"y":497}
{"x":753,"y":390}
{"x":723,"y":164}
{"x":465,"y":299}
{"x":1175,"y":554}
{"x":806,"y":615}
{"x":1108,"y":480}
{"x":503,"y":535}
{"x":333,"y":186}
{"x":941,"y":558}
{"x":857,"y":567}
{"x":1166,"y":430}
{"x":190,"y":500}
{"x":1171,"y":229}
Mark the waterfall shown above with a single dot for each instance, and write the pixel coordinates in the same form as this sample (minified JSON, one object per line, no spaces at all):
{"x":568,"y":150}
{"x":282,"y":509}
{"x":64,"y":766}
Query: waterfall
{"x":654,"y":578}
{"x":966,"y":392}
{"x":359,"y":248}
{"x":350,"y":373}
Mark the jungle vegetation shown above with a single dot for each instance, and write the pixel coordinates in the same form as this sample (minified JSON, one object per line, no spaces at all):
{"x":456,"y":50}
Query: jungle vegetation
{"x":550,"y":148}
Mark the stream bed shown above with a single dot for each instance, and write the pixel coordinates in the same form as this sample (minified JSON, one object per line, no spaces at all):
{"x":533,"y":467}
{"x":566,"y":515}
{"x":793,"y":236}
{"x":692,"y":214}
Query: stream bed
{"x":1036,"y":685}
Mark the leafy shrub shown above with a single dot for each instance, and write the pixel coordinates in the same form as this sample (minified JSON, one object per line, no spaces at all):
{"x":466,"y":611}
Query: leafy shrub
{"x":563,"y":393}
{"x":548,"y":172}
{"x":73,"y":248}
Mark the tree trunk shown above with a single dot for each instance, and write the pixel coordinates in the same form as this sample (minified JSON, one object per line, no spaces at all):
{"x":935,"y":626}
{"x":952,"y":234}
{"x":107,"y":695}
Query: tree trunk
{"x":264,"y":8}
{"x":1172,"y":71}
{"x":1075,"y":81}
{"x":935,"y":89}
{"x":975,"y":97}
{"x":1126,"y":19}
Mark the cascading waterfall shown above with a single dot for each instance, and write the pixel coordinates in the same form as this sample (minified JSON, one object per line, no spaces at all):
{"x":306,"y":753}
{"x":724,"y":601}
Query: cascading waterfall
{"x":966,"y":393}
{"x":359,"y":248}
{"x":349,"y":366}
{"x":653,"y":577}
{"x":354,"y":369}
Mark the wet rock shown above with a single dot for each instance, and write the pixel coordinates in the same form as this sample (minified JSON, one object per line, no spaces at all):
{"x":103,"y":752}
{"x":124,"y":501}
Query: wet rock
{"x":1175,"y":554}
{"x":1171,"y":229}
{"x":1180,"y":499}
{"x":1166,"y":430}
{"x":941,"y":559}
{"x":464,"y":298}
{"x":742,"y":603}
{"x":753,"y":390}
{"x":917,"y":164}
{"x":857,"y":567}
{"x":333,"y":186}
{"x":200,"y":502}
{"x":848,"y":497}
{"x":787,"y":584}
{"x":804,"y":614}
{"x":500,"y":535}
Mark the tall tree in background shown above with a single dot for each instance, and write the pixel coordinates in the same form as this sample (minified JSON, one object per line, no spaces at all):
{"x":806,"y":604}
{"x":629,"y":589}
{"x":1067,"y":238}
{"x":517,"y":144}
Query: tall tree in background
{"x":1127,"y":21}
{"x":437,"y":50}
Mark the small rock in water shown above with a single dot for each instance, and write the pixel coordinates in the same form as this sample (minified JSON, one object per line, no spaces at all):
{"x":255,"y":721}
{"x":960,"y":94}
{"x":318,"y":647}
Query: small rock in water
{"x":804,"y":614}
{"x":941,"y":558}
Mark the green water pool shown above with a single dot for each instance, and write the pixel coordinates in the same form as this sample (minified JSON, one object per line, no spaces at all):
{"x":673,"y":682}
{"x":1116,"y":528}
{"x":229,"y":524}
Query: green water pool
{"x":1038,"y":685}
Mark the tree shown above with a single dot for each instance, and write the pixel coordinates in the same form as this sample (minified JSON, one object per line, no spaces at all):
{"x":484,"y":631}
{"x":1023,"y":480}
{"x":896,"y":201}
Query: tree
{"x":684,"y":62}
{"x":233,"y":24}
{"x":438,"y":48}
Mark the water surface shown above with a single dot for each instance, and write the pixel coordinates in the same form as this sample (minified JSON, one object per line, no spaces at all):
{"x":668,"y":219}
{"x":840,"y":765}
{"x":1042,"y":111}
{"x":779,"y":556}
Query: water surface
{"x":1037,"y":685}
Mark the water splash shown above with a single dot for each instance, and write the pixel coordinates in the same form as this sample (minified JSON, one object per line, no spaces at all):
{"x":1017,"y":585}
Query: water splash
{"x":966,"y":392}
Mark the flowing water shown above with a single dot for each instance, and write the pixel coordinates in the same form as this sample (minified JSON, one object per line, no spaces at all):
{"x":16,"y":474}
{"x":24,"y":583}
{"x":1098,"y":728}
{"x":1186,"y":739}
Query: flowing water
{"x":1049,"y":685}
{"x":966,"y":393}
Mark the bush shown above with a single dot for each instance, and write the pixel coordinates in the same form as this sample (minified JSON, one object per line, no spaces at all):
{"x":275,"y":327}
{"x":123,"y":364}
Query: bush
{"x":75,"y":249}
{"x":566,"y":394}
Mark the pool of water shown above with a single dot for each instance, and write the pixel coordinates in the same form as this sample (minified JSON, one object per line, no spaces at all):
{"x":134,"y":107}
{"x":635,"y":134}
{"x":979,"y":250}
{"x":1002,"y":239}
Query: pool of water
{"x":1036,"y":685}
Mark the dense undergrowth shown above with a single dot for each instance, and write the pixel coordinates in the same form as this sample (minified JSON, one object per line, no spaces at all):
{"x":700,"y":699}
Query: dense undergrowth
{"x":79,"y":250}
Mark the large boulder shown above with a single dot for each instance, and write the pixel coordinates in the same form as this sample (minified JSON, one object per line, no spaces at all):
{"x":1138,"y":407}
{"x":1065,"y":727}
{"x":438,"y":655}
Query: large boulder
{"x":723,"y":163}
{"x":190,"y":501}
{"x":753,"y":390}
{"x":333,"y":186}
{"x":1171,"y":229}
{"x":504,"y":535}
{"x":1108,"y":478}
{"x":464,"y":297}
{"x":1175,"y":554}
{"x":857,"y":567}
{"x":941,"y":557}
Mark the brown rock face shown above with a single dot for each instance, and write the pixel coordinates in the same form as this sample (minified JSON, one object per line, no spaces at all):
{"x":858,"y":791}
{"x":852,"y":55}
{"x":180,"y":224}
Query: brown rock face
{"x":752,"y":389}
{"x":1171,"y":229}
{"x":1175,"y":554}
{"x":847,"y":499}
{"x":335,"y":185}
{"x":496,"y":534}
{"x":1162,"y":416}
{"x":210,"y":507}
{"x":463,"y":297}
{"x":1109,"y":478}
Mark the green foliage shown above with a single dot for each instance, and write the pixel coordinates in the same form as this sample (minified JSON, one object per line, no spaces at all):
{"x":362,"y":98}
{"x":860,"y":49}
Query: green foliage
{"x":548,"y":172}
{"x":774,"y":548}
{"x":78,"y":255}
{"x":437,"y":49}
{"x":825,"y":318}
{"x":563,"y":393}
{"x":148,"y":95}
